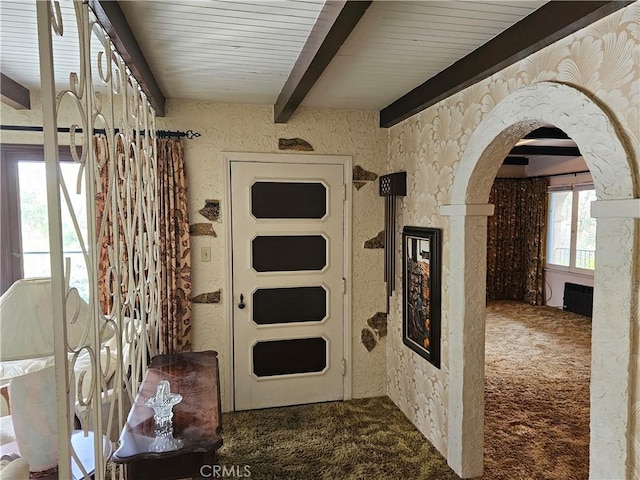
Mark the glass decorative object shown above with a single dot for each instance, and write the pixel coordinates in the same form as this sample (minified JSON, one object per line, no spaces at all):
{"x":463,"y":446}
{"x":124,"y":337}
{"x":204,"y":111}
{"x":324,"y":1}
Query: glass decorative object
{"x":162,"y":404}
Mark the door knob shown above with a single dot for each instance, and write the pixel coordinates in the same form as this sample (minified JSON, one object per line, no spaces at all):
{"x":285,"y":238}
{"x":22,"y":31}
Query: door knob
{"x":241,"y":304}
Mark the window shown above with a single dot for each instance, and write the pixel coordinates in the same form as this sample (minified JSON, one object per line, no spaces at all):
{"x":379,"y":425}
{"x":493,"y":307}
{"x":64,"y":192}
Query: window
{"x":34,"y":225}
{"x":571,"y":237}
{"x":25,"y":220}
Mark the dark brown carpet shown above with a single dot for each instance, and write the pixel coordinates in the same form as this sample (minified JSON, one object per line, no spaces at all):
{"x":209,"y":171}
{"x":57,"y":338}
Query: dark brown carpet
{"x":366,"y":439}
{"x":536,"y":393}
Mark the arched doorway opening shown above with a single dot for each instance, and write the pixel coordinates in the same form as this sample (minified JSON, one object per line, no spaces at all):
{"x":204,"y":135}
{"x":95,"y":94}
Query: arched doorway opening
{"x":540,"y":266}
{"x":593,"y":131}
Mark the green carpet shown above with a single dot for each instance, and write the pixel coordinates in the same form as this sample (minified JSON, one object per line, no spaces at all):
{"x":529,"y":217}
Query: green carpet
{"x":358,"y":439}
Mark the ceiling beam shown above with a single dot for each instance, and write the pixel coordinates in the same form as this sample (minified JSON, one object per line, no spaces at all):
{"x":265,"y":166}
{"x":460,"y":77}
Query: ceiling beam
{"x":516,"y":161}
{"x":336,"y":21}
{"x":112,"y":19}
{"x":531,"y":150}
{"x":547,"y":133}
{"x":14,"y":94}
{"x":544,"y":26}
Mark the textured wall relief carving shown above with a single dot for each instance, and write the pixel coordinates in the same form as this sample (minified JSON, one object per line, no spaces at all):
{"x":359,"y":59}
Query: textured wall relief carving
{"x":297,"y":144}
{"x":375,"y":242}
{"x":361,"y":177}
{"x":211,"y":210}
{"x":598,"y":61}
{"x":211,"y":297}
{"x":202,"y":229}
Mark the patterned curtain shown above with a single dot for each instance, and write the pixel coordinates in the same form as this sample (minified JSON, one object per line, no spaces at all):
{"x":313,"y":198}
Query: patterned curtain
{"x":175,"y":248}
{"x":174,"y":243}
{"x":104,"y":224}
{"x":107,"y":283}
{"x":516,"y":240}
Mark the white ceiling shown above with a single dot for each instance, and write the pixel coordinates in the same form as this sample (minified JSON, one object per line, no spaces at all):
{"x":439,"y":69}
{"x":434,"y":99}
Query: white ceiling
{"x":243,"y":52}
{"x":233,"y":52}
{"x":19,"y":57}
{"x":19,"y":43}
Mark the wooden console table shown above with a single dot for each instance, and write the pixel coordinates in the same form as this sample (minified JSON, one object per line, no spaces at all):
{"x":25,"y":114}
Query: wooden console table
{"x":197,"y":420}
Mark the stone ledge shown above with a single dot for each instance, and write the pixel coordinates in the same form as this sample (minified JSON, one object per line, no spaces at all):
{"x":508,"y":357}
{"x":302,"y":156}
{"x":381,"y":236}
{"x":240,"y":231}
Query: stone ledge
{"x":375,"y":242}
{"x":210,"y":297}
{"x":379,"y":323}
{"x":368,"y":339}
{"x":211,"y":210}
{"x":202,"y":229}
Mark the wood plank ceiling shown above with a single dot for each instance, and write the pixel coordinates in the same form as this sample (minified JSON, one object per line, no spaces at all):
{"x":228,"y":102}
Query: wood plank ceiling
{"x":399,"y":45}
{"x":245,"y":51}
{"x":19,"y":44}
{"x":222,"y":51}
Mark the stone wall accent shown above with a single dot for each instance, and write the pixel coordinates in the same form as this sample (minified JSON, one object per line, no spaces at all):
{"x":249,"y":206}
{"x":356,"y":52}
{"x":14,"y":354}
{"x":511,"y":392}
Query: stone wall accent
{"x":361,"y":177}
{"x":211,"y":210}
{"x":211,"y":297}
{"x":379,"y":324}
{"x":361,"y":174}
{"x":368,"y":339}
{"x":375,"y":242}
{"x":202,"y":229}
{"x":297,"y":144}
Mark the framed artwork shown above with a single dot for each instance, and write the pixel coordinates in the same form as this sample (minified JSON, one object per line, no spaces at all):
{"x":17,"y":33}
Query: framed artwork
{"x":421,"y":292}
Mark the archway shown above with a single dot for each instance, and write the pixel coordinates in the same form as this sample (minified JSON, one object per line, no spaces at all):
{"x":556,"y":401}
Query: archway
{"x":594,"y":133}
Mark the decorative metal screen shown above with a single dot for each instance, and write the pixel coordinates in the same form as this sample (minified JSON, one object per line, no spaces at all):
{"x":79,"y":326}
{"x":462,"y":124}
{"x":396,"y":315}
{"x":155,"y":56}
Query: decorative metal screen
{"x":111,"y":123}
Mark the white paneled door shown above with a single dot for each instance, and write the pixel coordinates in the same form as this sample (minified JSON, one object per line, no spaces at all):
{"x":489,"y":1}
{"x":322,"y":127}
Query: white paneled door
{"x":288,"y":287}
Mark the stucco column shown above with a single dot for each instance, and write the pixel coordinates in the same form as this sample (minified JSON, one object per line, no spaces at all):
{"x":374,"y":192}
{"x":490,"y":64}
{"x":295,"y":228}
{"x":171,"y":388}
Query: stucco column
{"x":611,"y":382}
{"x":467,"y":293}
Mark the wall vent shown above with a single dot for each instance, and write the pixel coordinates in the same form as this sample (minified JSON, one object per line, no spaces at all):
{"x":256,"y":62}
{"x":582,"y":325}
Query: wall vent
{"x":578,"y":299}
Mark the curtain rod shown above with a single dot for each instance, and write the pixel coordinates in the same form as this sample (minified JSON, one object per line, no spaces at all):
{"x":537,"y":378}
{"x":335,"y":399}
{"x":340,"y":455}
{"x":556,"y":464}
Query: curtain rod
{"x":189,"y":134}
{"x":549,"y":176}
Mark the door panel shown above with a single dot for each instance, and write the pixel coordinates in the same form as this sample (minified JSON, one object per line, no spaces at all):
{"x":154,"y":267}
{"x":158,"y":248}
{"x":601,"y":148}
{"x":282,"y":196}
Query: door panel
{"x":289,"y":305}
{"x":288,"y":253}
{"x":287,"y":357}
{"x":288,"y":200}
{"x":288,"y":260}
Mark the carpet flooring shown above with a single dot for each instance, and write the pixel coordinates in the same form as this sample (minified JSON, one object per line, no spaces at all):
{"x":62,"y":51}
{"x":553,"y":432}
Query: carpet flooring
{"x":536,"y":416}
{"x":365,"y":439}
{"x":537,"y":371}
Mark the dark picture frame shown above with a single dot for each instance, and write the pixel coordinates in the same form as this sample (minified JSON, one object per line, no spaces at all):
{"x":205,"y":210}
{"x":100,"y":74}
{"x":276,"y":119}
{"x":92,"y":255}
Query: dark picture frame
{"x":421,"y":291}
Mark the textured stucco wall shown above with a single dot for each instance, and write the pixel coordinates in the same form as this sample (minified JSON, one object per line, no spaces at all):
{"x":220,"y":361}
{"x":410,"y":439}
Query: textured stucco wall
{"x":601,"y":61}
{"x":33,"y":117}
{"x":246,"y":128}
{"x":250,"y":128}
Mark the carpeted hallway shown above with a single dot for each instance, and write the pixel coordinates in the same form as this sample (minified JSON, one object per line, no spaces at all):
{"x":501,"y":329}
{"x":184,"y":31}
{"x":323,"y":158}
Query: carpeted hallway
{"x":537,"y":369}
